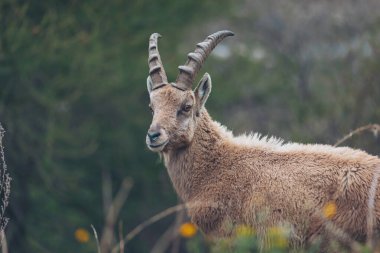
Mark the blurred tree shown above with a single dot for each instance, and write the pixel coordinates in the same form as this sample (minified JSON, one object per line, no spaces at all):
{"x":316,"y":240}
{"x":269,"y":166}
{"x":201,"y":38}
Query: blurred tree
{"x":72,"y":98}
{"x":303,"y":70}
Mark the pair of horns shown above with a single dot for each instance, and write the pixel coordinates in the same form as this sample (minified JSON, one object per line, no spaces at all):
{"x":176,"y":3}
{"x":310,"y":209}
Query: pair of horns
{"x":187,"y":72}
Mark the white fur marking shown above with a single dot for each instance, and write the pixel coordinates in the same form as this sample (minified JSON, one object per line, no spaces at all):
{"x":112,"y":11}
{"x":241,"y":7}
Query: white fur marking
{"x":270,"y":143}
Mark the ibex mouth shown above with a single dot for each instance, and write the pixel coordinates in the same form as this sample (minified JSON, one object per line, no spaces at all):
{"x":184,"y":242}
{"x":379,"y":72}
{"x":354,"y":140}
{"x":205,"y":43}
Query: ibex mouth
{"x":158,"y":147}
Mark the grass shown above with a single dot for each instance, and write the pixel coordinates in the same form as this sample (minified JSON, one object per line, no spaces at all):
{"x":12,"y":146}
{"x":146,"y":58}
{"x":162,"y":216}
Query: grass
{"x":5,"y":190}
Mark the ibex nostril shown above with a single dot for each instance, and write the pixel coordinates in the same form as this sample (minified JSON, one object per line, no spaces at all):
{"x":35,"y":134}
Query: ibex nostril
{"x":153,"y":136}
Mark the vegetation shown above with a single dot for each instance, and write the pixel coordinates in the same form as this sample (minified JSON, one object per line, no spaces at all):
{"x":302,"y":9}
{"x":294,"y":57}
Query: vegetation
{"x":5,"y":188}
{"x":73,"y":102}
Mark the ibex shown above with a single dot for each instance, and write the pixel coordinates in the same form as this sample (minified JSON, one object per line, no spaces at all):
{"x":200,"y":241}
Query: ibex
{"x":235,"y":179}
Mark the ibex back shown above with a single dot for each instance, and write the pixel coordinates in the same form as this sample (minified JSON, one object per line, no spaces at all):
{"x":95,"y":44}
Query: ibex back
{"x":230,"y":181}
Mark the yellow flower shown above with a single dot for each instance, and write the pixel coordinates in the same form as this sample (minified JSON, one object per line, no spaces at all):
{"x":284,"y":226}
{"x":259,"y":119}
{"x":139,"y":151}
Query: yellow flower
{"x":187,"y":230}
{"x":278,"y":237}
{"x":329,"y":210}
{"x":82,"y":235}
{"x":244,"y":231}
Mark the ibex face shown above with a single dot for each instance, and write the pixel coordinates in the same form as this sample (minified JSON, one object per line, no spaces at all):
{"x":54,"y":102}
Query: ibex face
{"x":173,"y":118}
{"x":175,"y":106}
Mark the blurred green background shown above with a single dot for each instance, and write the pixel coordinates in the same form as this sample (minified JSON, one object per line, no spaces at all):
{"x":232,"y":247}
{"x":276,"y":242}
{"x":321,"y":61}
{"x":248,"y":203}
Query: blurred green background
{"x":74,"y":104}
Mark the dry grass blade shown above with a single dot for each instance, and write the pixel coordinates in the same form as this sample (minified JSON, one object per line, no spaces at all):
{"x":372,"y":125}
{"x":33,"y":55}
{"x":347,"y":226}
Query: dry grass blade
{"x":371,"y":207}
{"x":147,"y":223}
{"x":170,"y":236}
{"x":4,"y":245}
{"x":163,"y":243}
{"x":121,"y":238}
{"x":178,"y":221}
{"x":375,"y":128}
{"x":96,"y":238}
{"x":113,"y":213}
{"x":5,"y":185}
{"x":336,"y":234}
{"x":342,"y":237}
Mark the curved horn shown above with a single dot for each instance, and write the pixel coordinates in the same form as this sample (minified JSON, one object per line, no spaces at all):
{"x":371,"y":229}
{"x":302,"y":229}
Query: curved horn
{"x":156,"y":69}
{"x":196,"y":59}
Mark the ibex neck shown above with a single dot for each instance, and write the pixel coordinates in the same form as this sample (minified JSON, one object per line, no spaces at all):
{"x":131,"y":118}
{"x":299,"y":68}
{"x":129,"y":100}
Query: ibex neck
{"x":189,"y":167}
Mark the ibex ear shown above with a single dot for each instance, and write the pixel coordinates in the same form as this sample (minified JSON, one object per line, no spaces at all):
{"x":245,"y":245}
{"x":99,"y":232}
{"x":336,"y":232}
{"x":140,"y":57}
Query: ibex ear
{"x":203,"y":90}
{"x":149,"y":84}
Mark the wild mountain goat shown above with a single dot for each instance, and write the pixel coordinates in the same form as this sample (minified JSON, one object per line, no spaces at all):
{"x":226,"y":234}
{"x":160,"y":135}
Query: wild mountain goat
{"x":234,"y":180}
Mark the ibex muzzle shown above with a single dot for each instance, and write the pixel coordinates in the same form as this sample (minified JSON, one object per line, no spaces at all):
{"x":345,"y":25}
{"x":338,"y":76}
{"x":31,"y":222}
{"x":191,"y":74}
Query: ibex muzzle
{"x":175,"y":106}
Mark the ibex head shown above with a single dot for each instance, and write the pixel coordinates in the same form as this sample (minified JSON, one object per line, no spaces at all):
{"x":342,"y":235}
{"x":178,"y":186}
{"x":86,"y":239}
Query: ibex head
{"x":175,"y":106}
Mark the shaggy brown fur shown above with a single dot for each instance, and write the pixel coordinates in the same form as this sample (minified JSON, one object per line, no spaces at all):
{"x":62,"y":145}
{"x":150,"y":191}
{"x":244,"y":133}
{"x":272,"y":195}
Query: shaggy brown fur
{"x":256,"y":181}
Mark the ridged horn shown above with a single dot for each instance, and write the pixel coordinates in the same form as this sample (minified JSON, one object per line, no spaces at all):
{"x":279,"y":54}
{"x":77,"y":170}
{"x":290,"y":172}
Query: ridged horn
{"x":195,"y":60}
{"x":156,"y":69}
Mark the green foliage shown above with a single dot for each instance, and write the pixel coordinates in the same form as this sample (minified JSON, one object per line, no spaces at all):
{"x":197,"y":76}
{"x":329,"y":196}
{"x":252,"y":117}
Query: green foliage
{"x":73,"y":100}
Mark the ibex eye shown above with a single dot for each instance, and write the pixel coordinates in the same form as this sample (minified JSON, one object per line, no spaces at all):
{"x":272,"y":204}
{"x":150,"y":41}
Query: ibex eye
{"x":186,"y":108}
